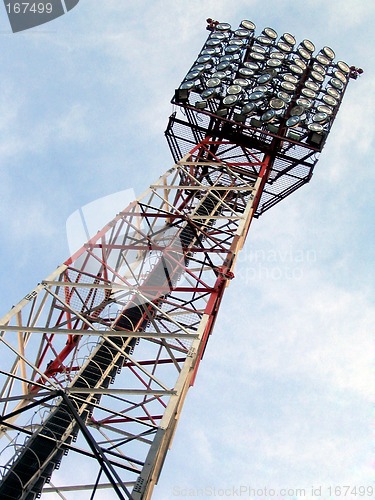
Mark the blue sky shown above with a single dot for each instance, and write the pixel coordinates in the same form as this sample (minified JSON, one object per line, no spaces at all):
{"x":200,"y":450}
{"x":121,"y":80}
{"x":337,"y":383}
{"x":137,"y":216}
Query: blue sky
{"x":284,"y":394}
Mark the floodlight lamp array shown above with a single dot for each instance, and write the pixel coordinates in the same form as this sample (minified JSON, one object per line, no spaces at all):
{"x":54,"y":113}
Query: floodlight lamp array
{"x":266,"y":81}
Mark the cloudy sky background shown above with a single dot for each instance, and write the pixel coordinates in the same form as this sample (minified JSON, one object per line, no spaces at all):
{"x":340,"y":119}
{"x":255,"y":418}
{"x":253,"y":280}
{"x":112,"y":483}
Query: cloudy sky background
{"x":284,"y":394}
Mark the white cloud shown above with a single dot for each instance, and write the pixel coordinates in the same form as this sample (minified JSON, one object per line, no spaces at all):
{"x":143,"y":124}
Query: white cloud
{"x":73,"y":125}
{"x":348,"y":15}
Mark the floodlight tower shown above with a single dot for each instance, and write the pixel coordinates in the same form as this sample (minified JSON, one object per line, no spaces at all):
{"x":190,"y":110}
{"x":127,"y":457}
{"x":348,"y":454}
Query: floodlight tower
{"x":98,"y":358}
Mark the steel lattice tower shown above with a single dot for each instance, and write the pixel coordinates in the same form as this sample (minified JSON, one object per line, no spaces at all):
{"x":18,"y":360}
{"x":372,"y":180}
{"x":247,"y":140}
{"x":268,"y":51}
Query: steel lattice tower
{"x":98,"y":358}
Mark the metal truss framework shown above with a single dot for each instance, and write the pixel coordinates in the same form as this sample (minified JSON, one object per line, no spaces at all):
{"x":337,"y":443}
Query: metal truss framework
{"x":98,"y":358}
